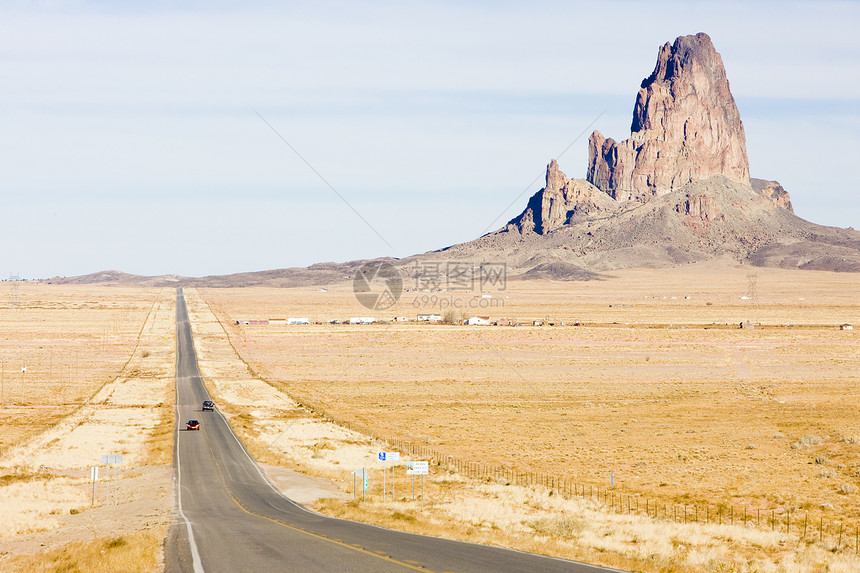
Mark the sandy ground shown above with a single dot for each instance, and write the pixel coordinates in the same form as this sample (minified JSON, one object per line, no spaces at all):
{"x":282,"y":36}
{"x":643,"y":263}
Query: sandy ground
{"x":47,"y":502}
{"x":71,"y":340}
{"x":301,"y":488}
{"x":661,"y":388}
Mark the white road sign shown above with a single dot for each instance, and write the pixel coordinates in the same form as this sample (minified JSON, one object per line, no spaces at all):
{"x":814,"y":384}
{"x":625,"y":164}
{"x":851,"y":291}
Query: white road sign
{"x":94,"y":473}
{"x":417,"y":468}
{"x":112,"y":459}
{"x":389,"y":456}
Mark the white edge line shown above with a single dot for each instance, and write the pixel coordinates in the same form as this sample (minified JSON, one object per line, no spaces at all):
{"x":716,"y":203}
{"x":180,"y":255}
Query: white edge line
{"x":197,"y":564}
{"x":306,"y":510}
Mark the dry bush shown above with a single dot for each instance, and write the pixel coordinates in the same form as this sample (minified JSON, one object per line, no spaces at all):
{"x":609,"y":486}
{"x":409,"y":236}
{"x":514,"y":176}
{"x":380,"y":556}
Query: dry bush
{"x":129,"y":554}
{"x":806,"y":441}
{"x":563,"y":526}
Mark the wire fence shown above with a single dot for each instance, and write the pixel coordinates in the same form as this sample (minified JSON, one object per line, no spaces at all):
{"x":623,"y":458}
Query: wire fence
{"x":836,"y":534}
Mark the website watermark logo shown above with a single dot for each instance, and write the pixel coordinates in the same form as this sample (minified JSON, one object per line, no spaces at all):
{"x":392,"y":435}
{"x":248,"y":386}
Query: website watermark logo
{"x":459,"y":275}
{"x":377,"y":285}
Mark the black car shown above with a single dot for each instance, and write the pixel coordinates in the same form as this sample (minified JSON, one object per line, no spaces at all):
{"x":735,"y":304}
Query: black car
{"x":208,"y":405}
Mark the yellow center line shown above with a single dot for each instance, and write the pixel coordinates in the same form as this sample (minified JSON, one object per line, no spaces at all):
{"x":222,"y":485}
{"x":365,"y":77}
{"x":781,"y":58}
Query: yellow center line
{"x":357,"y":548}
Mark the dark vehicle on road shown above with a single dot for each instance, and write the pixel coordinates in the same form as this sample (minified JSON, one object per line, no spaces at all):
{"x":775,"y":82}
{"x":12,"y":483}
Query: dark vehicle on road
{"x":192,"y":425}
{"x":208,"y":405}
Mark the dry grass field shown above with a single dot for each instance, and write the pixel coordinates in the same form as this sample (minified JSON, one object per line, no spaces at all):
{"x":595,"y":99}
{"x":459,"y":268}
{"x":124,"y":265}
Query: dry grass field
{"x":58,"y":429}
{"x":72,"y":340}
{"x":657,"y":387}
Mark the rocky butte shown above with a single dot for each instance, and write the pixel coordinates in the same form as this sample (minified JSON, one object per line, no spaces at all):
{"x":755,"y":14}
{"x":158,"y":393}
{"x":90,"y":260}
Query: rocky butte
{"x":677,"y":190}
{"x":686,"y":127}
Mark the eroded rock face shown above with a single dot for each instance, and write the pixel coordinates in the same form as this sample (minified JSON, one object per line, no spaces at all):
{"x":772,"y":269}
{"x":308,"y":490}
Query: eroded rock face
{"x":560,"y":202}
{"x":773,"y":191}
{"x":686,"y":127}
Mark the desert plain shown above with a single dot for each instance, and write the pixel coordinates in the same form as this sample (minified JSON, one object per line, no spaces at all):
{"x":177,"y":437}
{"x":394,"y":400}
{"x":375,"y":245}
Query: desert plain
{"x":638,"y":397}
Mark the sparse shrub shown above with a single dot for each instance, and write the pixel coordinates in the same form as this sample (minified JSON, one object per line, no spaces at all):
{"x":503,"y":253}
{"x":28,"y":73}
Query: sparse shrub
{"x":826,"y":474}
{"x":750,"y":446}
{"x":115,"y":542}
{"x":848,"y":440}
{"x":323,"y":445}
{"x":821,"y":460}
{"x":564,"y":526}
{"x":779,"y":435}
{"x":807,"y":440}
{"x":146,"y":354}
{"x":847,"y":488}
{"x":74,"y":511}
{"x":400,"y":516}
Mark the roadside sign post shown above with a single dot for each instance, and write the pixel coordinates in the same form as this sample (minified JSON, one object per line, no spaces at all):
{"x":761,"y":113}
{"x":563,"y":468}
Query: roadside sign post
{"x":94,"y":475}
{"x":388,"y":457}
{"x":418,"y":468}
{"x":364,"y":481}
{"x":115,"y":460}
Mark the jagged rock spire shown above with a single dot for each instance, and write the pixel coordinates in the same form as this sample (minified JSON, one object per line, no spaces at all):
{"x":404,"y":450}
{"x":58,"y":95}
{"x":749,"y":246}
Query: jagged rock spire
{"x":686,"y":127}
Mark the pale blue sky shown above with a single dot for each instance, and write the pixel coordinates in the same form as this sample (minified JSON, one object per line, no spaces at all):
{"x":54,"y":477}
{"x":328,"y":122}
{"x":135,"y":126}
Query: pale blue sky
{"x":129,"y":139}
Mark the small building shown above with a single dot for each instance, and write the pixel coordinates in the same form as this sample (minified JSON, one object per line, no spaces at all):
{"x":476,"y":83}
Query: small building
{"x":298,"y":321}
{"x":846,"y":327}
{"x":478,"y":321}
{"x":747,"y":325}
{"x":401,"y":319}
{"x":362,"y":320}
{"x":429,"y":318}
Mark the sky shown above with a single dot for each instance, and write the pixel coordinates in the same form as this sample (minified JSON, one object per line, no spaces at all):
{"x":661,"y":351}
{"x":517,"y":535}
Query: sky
{"x":201,"y":138}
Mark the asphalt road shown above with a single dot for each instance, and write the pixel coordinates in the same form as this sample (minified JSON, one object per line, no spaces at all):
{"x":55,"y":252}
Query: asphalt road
{"x":231,"y":519}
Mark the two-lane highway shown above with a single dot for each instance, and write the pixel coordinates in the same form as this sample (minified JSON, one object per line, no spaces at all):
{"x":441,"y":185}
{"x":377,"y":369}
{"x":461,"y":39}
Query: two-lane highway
{"x":230,"y":518}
